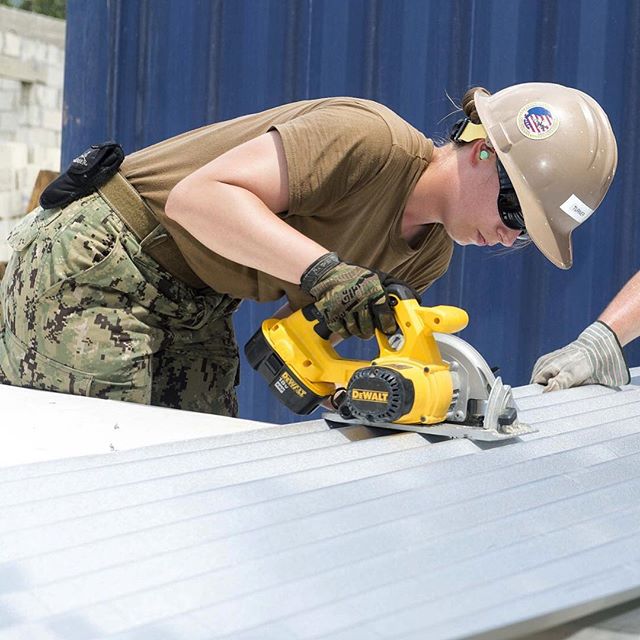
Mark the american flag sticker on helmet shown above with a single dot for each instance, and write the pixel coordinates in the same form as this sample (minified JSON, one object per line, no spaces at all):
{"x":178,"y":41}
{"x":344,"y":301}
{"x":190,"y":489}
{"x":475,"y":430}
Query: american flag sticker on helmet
{"x":577,"y":209}
{"x":537,"y":121}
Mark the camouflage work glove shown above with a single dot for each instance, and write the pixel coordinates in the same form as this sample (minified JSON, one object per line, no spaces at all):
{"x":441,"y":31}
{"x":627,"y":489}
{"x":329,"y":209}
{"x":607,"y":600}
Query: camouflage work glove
{"x":350,"y":299}
{"x":594,"y":358}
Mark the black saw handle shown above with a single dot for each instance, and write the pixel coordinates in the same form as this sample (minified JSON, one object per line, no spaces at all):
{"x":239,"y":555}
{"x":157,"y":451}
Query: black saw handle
{"x":311,"y":313}
{"x":396,"y":290}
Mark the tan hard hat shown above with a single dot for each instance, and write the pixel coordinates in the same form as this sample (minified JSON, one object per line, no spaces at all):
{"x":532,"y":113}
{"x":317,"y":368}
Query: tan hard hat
{"x":559,"y":151}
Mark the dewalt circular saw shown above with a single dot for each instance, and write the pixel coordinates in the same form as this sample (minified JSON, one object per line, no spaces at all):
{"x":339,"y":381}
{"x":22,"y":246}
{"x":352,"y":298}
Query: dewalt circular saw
{"x":423,"y":379}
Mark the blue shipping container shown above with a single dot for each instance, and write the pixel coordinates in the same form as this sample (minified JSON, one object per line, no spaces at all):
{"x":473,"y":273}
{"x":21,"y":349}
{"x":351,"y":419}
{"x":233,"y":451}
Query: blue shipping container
{"x":140,"y":71}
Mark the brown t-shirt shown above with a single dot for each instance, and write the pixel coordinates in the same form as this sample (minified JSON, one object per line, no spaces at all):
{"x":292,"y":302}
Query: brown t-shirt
{"x":352,"y":165}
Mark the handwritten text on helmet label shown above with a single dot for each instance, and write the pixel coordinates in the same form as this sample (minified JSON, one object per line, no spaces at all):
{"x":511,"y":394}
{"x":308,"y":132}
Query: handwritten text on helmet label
{"x":577,"y":209}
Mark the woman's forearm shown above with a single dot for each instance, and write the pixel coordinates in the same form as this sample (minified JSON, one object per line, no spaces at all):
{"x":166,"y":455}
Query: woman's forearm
{"x":237,"y":225}
{"x":623,"y":313}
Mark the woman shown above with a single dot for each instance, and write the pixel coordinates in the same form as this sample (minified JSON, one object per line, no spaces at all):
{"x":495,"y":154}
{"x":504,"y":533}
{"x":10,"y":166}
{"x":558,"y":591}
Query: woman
{"x":304,"y":200}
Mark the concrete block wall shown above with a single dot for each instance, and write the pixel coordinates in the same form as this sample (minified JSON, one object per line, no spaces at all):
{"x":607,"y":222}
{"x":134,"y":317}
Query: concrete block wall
{"x":31,"y":79}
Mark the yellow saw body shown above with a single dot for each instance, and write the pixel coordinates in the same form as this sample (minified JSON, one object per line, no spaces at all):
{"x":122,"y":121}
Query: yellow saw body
{"x":421,"y":380}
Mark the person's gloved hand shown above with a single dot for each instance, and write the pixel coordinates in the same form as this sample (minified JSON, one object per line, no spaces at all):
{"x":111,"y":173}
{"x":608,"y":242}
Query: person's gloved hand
{"x":594,"y":358}
{"x":351,"y":299}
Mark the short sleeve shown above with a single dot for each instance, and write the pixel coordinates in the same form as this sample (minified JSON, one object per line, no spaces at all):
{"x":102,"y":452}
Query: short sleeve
{"x":331,"y":152}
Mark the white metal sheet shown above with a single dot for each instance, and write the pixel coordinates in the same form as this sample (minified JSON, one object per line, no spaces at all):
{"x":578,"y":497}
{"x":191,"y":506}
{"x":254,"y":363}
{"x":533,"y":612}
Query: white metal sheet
{"x":331,"y":534}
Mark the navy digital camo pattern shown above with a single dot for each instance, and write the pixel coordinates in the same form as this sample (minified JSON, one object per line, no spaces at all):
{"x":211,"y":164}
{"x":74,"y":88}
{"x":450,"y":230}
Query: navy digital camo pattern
{"x":87,"y":312}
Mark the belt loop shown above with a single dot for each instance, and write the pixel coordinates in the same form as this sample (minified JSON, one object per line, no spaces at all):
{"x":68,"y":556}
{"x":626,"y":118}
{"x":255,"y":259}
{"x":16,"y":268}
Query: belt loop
{"x":154,"y":238}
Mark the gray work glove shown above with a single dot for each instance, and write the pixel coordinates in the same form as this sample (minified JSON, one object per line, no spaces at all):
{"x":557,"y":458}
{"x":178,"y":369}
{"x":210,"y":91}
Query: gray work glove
{"x":350,"y":299}
{"x":594,"y":358}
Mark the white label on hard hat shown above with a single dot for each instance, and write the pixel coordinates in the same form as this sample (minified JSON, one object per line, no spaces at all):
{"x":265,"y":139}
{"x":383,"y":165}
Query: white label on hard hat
{"x":537,"y":121}
{"x":577,"y":209}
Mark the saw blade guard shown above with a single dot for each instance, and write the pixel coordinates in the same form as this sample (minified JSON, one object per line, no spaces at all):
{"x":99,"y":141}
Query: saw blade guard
{"x":478,"y":394}
{"x":473,"y":378}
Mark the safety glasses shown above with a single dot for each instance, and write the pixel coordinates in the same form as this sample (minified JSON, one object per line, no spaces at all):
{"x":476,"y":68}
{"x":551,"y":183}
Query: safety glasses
{"x":508,"y":205}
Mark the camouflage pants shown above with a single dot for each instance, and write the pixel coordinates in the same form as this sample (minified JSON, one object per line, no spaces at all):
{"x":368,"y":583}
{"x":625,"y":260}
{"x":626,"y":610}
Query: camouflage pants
{"x":87,"y":312}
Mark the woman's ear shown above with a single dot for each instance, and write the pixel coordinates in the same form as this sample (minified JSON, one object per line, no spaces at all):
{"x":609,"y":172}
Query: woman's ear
{"x":480,"y":150}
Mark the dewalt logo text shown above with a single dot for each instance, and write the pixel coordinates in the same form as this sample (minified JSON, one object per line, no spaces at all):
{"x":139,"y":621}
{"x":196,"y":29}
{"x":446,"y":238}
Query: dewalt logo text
{"x":293,"y":385}
{"x":369,"y":396}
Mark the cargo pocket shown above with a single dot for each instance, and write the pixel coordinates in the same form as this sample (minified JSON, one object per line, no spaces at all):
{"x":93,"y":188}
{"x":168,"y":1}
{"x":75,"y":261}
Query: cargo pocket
{"x":25,"y":367}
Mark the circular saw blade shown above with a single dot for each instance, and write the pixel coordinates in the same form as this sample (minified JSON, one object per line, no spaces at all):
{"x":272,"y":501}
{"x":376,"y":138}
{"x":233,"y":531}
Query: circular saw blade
{"x":476,"y":377}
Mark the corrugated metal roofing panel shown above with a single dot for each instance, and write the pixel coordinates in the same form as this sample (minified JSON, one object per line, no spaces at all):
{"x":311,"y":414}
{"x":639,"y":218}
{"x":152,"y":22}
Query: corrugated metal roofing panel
{"x":331,"y":534}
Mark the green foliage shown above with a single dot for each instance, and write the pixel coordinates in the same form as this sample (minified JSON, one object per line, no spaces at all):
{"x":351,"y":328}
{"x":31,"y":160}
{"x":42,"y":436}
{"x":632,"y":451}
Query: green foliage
{"x":54,"y":8}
